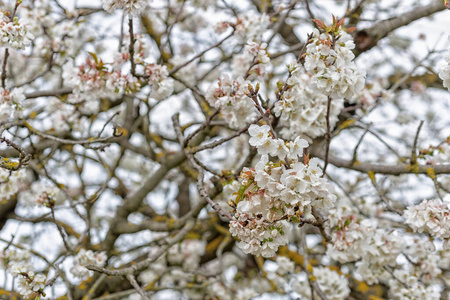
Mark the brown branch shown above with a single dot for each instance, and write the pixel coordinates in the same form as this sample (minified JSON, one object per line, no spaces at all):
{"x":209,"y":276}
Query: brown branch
{"x":366,"y":167}
{"x":200,"y":183}
{"x":131,"y":47}
{"x":368,"y":38}
{"x":56,"y":92}
{"x":327,"y":136}
{"x":413,"y":150}
{"x":5,"y":61}
{"x":134,"y":283}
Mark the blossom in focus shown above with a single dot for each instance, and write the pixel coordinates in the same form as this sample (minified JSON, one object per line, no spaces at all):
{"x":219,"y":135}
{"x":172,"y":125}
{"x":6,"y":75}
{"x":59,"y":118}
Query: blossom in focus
{"x":303,"y":109}
{"x":430,"y":216}
{"x":331,"y":65}
{"x":272,"y":194}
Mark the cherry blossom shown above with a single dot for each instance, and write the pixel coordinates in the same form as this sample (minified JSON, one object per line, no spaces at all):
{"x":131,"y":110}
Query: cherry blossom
{"x":444,"y":71}
{"x":131,"y":7}
{"x":84,"y":258}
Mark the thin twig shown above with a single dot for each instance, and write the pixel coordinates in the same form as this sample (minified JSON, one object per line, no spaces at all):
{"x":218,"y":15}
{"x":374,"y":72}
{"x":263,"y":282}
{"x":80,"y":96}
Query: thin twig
{"x":200,"y":183}
{"x":61,"y":232}
{"x":176,"y":69}
{"x":413,"y":150}
{"x":202,"y":127}
{"x":328,"y":136}
{"x":131,"y":48}
{"x":223,"y":140}
{"x":355,"y":151}
{"x":134,"y":283}
{"x":5,"y":61}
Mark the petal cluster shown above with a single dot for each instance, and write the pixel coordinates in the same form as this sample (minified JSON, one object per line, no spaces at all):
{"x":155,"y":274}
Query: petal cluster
{"x":130,"y":7}
{"x":432,"y":216}
{"x":329,"y":59}
{"x":229,"y":95}
{"x":303,"y":109}
{"x":444,"y":71}
{"x":84,"y":258}
{"x":273,"y":194}
{"x":11,"y":103}
{"x":13,"y":34}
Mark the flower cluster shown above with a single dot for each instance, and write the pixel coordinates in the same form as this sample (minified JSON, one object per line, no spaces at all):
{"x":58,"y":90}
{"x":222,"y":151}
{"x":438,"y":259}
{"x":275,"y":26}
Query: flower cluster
{"x":12,"y":33}
{"x":29,"y":283}
{"x":285,"y":265}
{"x":230,"y":96}
{"x":329,"y":74}
{"x":10,"y":182}
{"x":42,"y":194}
{"x":16,"y":260}
{"x":187,"y":253}
{"x":444,"y":71}
{"x":432,"y":216}
{"x":407,"y":286}
{"x":272,"y":194}
{"x":18,"y":263}
{"x":370,"y":94}
{"x":329,"y":58}
{"x":251,"y":27}
{"x":303,"y":110}
{"x":428,"y":262}
{"x":354,"y":239}
{"x":84,"y":258}
{"x":62,"y":39}
{"x":252,"y":62}
{"x":92,"y":81}
{"x":130,"y":7}
{"x":331,"y":283}
{"x":436,"y":154}
{"x":140,"y":51}
{"x":10,"y":103}
{"x":158,"y":77}
{"x":64,"y":116}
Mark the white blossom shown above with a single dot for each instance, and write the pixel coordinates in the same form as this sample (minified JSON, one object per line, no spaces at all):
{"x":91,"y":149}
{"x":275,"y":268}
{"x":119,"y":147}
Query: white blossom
{"x":285,"y":265}
{"x":430,"y":216}
{"x":444,"y":71}
{"x":87,"y":257}
{"x":406,"y":286}
{"x":131,"y":7}
{"x":229,"y":95}
{"x":251,"y":27}
{"x":42,"y":193}
{"x":13,"y":34}
{"x":272,"y":194}
{"x":333,"y":285}
{"x":303,"y":109}
{"x":10,"y":181}
{"x":29,"y":283}
{"x":11,"y":103}
{"x":188,"y":253}
{"x":259,"y":134}
{"x":330,"y":62}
